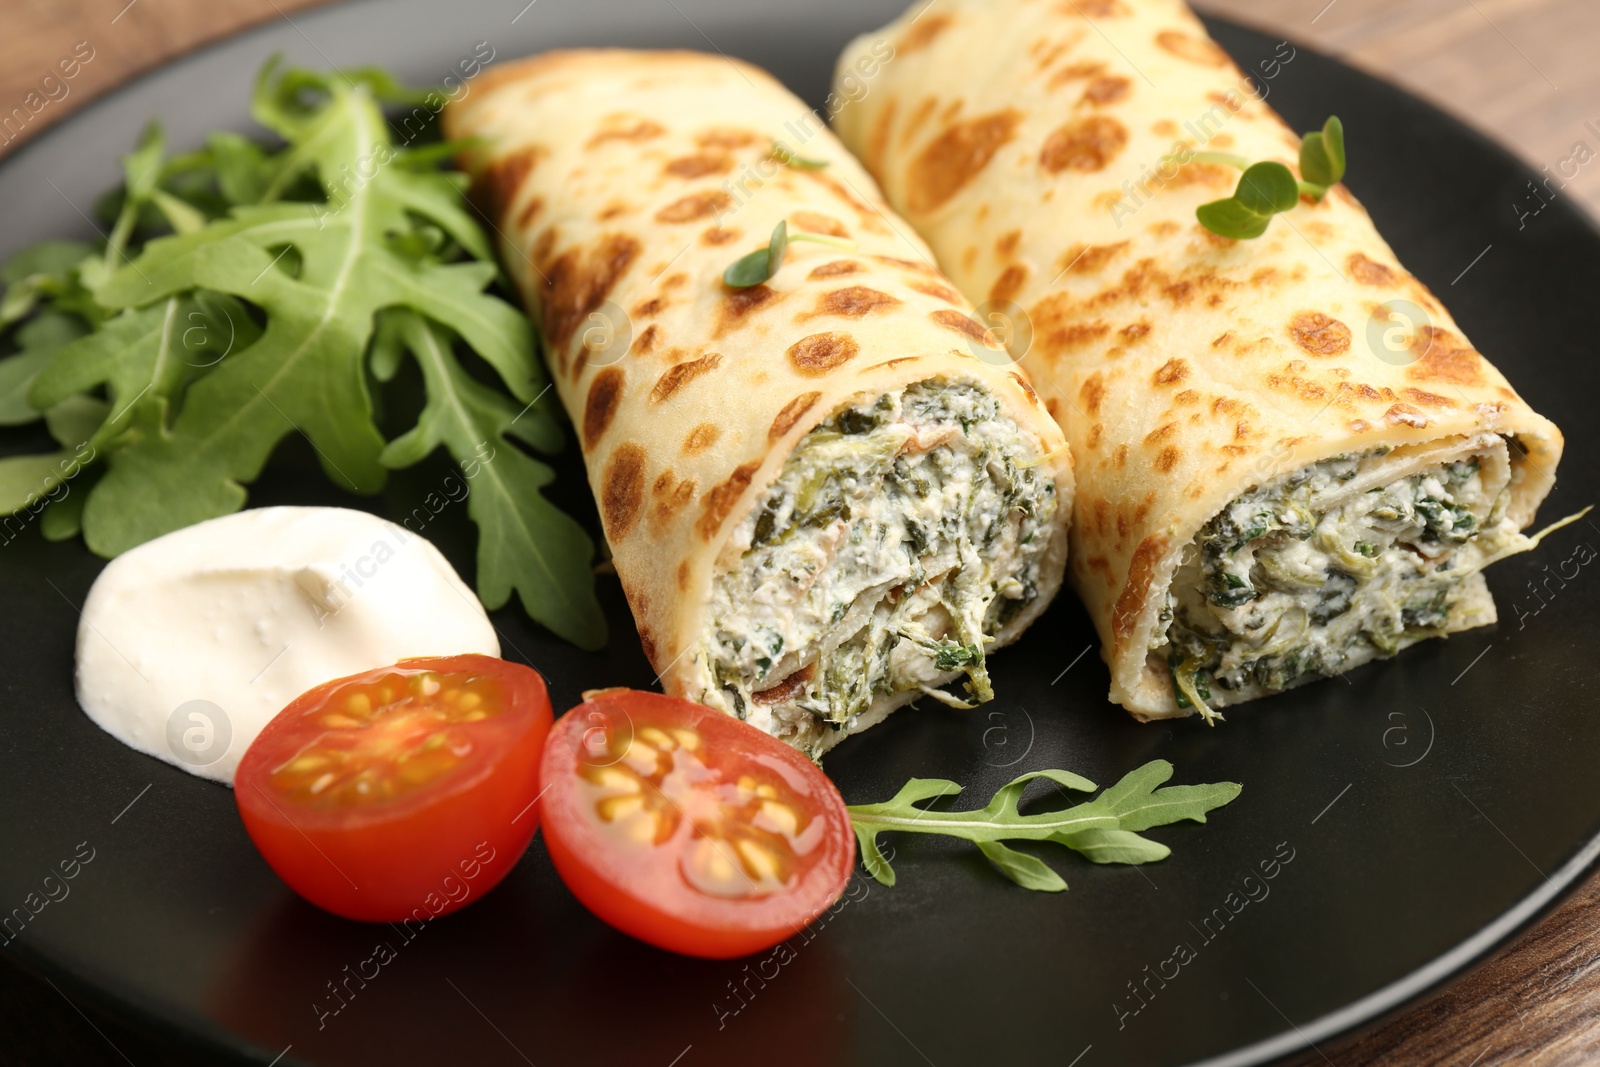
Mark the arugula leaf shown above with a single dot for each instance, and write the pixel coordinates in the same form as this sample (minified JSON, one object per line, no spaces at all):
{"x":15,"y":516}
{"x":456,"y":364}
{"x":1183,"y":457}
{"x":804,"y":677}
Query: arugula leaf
{"x":1103,"y":829}
{"x":525,"y":543}
{"x":180,"y":362}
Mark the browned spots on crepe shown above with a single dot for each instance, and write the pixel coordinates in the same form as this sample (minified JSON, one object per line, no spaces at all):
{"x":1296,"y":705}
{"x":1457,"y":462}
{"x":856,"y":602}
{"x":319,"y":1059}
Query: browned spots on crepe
{"x":683,"y":576}
{"x":1134,"y":331}
{"x":1090,"y":259}
{"x":937,"y":291}
{"x":622,"y":490}
{"x":578,"y":281}
{"x":614,"y":210}
{"x":820,"y":353}
{"x":1171,"y":372}
{"x":699,"y":165}
{"x":787,"y":689}
{"x":1193,"y":49}
{"x":529,"y":212}
{"x":961,"y":323}
{"x":1319,"y":334}
{"x":1009,"y":284}
{"x":646,"y":342}
{"x":669,"y":496}
{"x":646,"y":309}
{"x":792,"y":412}
{"x":719,"y":235}
{"x":605,"y":393}
{"x":1427,"y":399}
{"x":1084,"y":144}
{"x":719,"y":500}
{"x":1094,"y":9}
{"x":1026,"y":387}
{"x":815,"y":222}
{"x":922,"y":33}
{"x":505,"y":176}
{"x":675,"y":378}
{"x":878,"y":137}
{"x":1405,"y":414}
{"x":701,"y":438}
{"x":740,"y":302}
{"x":695,"y":206}
{"x":854,"y":302}
{"x":1075,"y":72}
{"x":1369,"y":272}
{"x":955,"y":157}
{"x":1106,"y":89}
{"x":724,"y":137}
{"x":1443,"y":357}
{"x":1006,"y":245}
{"x":1141,"y":576}
{"x":1091,"y":392}
{"x":643,"y":130}
{"x":836,"y":268}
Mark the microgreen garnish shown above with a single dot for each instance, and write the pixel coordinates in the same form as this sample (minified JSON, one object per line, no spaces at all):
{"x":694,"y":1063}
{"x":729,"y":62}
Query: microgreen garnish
{"x":788,"y":158}
{"x":1104,"y":830}
{"x":247,"y":293}
{"x":763,"y":263}
{"x":1267,"y":189}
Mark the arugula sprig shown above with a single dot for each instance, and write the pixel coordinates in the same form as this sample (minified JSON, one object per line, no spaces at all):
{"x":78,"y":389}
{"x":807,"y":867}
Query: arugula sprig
{"x":235,"y":301}
{"x":755,"y":268}
{"x":1104,"y":830}
{"x":1268,"y":189}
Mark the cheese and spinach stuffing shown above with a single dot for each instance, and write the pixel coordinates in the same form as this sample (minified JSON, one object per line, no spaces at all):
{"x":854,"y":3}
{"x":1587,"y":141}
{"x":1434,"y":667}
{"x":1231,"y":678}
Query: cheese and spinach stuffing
{"x":1320,"y":570}
{"x":900,"y":536}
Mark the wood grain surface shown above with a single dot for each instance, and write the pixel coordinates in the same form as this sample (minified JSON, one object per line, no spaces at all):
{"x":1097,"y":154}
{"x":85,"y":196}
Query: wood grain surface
{"x":1520,"y":70}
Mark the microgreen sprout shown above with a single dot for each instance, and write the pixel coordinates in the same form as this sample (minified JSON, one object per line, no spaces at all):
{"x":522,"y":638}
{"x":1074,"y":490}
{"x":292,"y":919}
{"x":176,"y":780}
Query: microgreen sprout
{"x":755,"y":268}
{"x":1266,"y":189}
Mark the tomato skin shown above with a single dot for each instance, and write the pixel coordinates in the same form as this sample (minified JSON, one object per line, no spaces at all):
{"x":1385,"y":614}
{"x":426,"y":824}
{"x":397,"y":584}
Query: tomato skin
{"x":644,"y":895}
{"x":427,"y":852}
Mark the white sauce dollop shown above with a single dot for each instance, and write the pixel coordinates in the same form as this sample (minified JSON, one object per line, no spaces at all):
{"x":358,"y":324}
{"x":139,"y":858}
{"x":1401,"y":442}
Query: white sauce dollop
{"x":191,"y":643}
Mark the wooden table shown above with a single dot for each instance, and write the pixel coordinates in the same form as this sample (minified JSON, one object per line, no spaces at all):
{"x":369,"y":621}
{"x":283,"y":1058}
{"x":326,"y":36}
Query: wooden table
{"x":1521,"y":70}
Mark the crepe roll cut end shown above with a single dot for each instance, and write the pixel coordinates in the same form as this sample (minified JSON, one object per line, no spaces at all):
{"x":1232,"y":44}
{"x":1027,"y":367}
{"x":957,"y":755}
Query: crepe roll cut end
{"x":826,"y":494}
{"x":1290,"y":459}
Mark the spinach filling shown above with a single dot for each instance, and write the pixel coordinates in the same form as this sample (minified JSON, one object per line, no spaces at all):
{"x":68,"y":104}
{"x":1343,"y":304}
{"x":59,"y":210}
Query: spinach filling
{"x":899,"y":537}
{"x":1306,"y":575}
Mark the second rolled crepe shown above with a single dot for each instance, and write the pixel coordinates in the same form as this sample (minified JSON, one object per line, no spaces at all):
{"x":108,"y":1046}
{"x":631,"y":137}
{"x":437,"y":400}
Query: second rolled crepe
{"x":1290,"y":459}
{"x":826,"y":495}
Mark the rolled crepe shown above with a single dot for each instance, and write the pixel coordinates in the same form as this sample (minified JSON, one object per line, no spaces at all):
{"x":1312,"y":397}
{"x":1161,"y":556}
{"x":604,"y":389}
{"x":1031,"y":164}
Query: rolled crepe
{"x":1290,"y":460}
{"x":821,"y":502}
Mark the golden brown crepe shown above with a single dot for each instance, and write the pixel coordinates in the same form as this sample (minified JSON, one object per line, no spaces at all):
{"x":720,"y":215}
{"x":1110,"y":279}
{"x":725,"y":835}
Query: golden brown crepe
{"x":1290,"y":460}
{"x":821,"y":502}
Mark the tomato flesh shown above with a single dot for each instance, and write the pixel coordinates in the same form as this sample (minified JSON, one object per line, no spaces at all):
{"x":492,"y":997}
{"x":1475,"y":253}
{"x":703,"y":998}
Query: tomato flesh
{"x":688,"y":829}
{"x":405,"y":792}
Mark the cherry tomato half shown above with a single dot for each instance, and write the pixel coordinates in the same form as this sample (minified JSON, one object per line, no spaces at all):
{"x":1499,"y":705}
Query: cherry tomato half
{"x":689,"y":829}
{"x":405,"y":792}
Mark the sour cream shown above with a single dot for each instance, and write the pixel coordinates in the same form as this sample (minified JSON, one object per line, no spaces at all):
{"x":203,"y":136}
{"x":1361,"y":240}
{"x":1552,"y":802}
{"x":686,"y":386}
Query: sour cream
{"x":191,"y":643}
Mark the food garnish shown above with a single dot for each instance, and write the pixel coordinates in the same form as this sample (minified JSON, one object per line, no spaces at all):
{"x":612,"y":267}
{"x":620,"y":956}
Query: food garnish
{"x":404,"y":792}
{"x":688,"y":829}
{"x":783,"y":154}
{"x":760,"y":265}
{"x":1267,"y":189}
{"x":178,"y":363}
{"x":1104,"y":830}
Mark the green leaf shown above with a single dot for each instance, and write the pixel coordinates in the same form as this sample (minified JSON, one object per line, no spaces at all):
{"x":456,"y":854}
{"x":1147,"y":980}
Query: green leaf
{"x":1267,"y":188}
{"x":38,"y":272}
{"x":306,"y":373}
{"x":524,"y":543}
{"x":1229,"y":218}
{"x":38,"y":339}
{"x":75,"y":420}
{"x":782,"y":154}
{"x":24,"y":480}
{"x":46,"y":257}
{"x":63,"y":519}
{"x":1030,"y":872}
{"x":1114,"y":846}
{"x":1104,"y":828}
{"x":1322,"y":158}
{"x":763,"y":263}
{"x":871,"y":857}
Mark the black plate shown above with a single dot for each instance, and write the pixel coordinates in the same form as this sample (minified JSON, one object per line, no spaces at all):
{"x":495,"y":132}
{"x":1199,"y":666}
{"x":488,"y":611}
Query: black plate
{"x":1431,"y":805}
